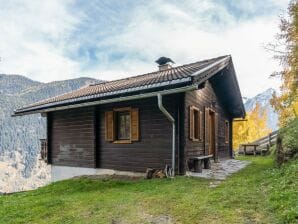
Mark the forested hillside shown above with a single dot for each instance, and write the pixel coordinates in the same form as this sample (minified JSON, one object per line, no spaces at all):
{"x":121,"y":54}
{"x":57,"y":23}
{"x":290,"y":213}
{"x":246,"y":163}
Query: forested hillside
{"x":20,"y":135}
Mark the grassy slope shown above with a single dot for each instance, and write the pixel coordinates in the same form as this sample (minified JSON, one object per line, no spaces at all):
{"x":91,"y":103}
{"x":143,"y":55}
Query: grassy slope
{"x":257,"y":194}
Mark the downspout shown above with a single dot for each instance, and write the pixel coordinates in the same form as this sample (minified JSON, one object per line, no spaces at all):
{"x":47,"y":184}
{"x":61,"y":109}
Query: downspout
{"x":172,"y":120}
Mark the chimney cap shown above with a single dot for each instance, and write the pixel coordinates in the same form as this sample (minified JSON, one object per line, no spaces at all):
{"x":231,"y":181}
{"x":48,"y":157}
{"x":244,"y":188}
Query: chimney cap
{"x":164,"y":60}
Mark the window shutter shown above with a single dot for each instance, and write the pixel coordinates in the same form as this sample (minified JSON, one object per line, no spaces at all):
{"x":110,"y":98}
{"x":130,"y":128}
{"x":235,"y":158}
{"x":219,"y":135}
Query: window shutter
{"x":216,"y":137}
{"x":191,"y":123}
{"x":109,"y":123}
{"x":201,"y":126}
{"x":135,"y":130}
{"x":206,"y":130}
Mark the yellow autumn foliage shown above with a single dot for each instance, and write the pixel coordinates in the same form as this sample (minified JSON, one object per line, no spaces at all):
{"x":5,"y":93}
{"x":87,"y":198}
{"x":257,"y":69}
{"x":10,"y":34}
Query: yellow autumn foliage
{"x":286,"y":103}
{"x":252,"y":128}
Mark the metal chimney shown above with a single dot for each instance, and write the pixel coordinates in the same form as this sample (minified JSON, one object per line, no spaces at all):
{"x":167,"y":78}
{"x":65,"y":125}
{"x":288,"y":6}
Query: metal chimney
{"x":164,"y":63}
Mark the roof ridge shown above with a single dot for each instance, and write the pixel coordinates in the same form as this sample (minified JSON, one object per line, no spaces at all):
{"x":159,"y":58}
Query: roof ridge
{"x":172,"y":76}
{"x":156,"y":72}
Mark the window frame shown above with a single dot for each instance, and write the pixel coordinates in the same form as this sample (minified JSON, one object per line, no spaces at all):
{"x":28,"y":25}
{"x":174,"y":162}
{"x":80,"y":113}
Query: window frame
{"x":197,"y":124}
{"x":123,"y":125}
{"x":115,"y":124}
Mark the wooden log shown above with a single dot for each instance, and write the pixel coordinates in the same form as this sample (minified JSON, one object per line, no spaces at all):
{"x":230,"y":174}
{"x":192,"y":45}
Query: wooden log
{"x":198,"y":166}
{"x":159,"y":174}
{"x":149,"y":173}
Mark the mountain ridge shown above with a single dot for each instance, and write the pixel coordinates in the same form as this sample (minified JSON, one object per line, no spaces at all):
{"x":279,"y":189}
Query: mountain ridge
{"x":22,"y":134}
{"x":263,"y":99}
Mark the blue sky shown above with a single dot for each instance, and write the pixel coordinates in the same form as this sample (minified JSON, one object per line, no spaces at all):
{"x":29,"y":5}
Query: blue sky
{"x":55,"y":40}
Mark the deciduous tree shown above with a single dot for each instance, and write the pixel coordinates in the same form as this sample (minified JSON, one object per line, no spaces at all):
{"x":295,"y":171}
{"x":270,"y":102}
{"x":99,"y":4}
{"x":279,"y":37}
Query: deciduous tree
{"x":252,"y":128}
{"x":286,"y":51}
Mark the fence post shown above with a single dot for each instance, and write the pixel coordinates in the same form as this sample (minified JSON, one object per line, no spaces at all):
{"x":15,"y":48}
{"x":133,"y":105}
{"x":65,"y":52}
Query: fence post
{"x":269,"y":136}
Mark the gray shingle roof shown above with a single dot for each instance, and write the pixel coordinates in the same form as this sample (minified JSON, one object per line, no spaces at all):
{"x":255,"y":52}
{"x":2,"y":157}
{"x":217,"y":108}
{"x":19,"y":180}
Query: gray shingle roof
{"x":166,"y":78}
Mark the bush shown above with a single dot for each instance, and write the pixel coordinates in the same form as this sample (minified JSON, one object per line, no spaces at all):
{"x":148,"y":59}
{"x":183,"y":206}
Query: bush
{"x":287,"y":142}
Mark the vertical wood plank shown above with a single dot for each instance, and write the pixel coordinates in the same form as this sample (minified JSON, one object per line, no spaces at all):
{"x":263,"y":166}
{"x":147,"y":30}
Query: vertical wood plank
{"x":206,"y":130}
{"x":191,"y":123}
{"x":216,"y":137}
{"x":97,"y":136}
{"x":201,"y":127}
{"x":109,"y":126}
{"x":49,"y":137}
{"x":135,"y":130}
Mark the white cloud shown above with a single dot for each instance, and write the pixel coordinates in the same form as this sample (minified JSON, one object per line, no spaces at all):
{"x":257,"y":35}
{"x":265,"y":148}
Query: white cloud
{"x":38,"y":37}
{"x":184,"y":38}
{"x":33,"y":38}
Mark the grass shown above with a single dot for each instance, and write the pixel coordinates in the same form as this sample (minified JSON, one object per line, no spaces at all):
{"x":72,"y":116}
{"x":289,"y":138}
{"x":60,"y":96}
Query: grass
{"x":258,"y":194}
{"x":289,"y":135}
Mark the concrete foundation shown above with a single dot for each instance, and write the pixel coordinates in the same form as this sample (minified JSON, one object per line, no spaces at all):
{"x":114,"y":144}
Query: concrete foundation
{"x":67,"y":172}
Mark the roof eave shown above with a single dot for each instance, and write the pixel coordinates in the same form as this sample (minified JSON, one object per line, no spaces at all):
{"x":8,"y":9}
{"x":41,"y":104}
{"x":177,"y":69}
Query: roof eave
{"x":108,"y":94}
{"x":112,"y":100}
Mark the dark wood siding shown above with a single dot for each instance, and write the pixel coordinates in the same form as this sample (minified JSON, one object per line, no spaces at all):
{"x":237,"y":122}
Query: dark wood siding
{"x":77,"y":136}
{"x":49,"y":137}
{"x":155,"y":144}
{"x":203,"y":98}
{"x":73,"y":137}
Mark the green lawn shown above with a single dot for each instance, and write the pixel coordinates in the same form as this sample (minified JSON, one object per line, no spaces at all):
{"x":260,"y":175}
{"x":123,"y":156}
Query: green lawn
{"x":258,"y":194}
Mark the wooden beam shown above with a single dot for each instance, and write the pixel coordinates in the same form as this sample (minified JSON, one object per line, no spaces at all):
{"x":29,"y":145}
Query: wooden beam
{"x":239,"y":120}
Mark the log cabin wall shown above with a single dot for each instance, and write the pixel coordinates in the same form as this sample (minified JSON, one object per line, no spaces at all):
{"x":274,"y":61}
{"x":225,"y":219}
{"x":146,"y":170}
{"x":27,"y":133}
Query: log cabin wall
{"x":203,"y":98}
{"x":77,"y":136}
{"x":154,"y":148}
{"x":72,"y":137}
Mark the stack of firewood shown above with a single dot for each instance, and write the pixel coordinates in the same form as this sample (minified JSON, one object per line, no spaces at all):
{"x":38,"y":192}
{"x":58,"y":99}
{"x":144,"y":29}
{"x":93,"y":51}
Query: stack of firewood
{"x":155,"y":173}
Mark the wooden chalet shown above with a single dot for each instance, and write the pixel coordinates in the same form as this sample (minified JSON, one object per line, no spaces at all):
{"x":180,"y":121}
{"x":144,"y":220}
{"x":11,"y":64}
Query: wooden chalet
{"x":167,"y":117}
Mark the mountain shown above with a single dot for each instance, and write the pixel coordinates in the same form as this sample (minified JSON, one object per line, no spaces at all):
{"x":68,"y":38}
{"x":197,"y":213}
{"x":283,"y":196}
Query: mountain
{"x":14,"y":84}
{"x":19,"y":136}
{"x":264,"y":101}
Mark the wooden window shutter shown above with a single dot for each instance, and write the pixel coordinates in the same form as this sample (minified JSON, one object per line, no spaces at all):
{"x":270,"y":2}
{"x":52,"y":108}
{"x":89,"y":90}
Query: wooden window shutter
{"x":191,"y":123}
{"x":109,"y":126}
{"x":206,"y":130}
{"x":135,"y":129}
{"x":201,"y":126}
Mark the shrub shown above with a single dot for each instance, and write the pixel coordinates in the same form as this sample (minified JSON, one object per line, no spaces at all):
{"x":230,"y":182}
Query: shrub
{"x":287,"y":142}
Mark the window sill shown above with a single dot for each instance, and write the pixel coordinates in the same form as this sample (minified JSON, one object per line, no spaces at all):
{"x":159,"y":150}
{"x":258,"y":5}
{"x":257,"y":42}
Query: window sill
{"x":196,"y":140}
{"x":128,"y":141}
